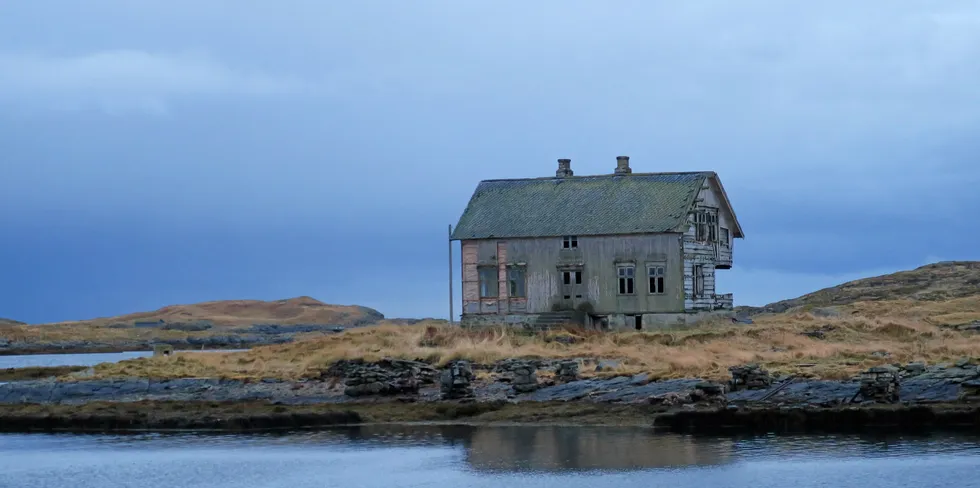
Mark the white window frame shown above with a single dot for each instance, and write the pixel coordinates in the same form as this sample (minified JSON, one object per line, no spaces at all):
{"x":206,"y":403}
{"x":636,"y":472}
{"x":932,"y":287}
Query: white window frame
{"x":626,"y":279}
{"x":656,"y":271}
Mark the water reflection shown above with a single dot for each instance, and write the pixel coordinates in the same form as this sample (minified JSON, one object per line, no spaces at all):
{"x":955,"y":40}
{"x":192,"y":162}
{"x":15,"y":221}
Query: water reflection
{"x":488,"y":457}
{"x":86,"y":359}
{"x":548,"y":449}
{"x":576,"y":449}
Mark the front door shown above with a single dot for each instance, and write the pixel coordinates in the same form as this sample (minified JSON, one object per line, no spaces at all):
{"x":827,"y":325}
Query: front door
{"x":572,"y":289}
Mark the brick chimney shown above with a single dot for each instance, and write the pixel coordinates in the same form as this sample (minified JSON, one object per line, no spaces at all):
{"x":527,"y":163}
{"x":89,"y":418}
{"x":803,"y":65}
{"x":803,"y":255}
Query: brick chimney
{"x":564,"y":168}
{"x":623,"y":165}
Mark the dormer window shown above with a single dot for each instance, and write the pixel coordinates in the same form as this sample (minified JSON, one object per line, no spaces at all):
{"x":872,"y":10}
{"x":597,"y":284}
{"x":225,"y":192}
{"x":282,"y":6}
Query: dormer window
{"x":569,"y":242}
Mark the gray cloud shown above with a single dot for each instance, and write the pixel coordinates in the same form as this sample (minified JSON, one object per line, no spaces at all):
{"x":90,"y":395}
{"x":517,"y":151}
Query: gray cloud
{"x":842,"y":130}
{"x":127,"y":80}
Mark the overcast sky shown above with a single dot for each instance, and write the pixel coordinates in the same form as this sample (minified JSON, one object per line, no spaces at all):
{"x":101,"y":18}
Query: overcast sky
{"x":163,"y":152}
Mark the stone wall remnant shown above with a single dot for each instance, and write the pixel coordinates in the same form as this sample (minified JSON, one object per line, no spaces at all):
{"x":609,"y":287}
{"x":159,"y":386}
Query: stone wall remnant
{"x":750,"y":377}
{"x":567,"y":371}
{"x":880,"y":385}
{"x":385,"y":377}
{"x":456,"y":381}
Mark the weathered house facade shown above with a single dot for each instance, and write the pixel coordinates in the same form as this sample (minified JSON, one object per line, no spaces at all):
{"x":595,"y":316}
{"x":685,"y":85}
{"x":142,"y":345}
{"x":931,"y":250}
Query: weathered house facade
{"x":620,"y":250}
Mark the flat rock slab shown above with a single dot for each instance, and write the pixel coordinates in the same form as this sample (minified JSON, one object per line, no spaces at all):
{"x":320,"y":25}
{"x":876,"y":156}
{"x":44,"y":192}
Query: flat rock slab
{"x":622,"y":389}
{"x":928,"y":390}
{"x":800,"y":392}
{"x":832,"y":392}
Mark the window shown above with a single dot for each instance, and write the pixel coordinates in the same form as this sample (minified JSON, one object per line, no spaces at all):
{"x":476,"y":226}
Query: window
{"x":626,"y":275}
{"x":655,"y":275}
{"x":725,"y":239}
{"x":516,"y":284}
{"x":488,"y":282}
{"x":698,"y":273}
{"x":571,"y":277}
{"x":569,"y":242}
{"x":706,"y":226}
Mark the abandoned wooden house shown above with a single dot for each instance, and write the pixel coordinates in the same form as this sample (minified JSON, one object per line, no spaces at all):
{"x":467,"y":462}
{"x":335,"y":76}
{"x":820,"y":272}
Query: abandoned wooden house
{"x":619,"y":250}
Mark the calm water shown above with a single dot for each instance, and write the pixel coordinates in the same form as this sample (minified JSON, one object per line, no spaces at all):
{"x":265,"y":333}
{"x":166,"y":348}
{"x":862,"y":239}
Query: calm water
{"x":498,"y":457}
{"x":36,"y":360}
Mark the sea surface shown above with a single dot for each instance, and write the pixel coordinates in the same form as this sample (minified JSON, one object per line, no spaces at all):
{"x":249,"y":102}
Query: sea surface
{"x":88,"y":359}
{"x":497,"y":457}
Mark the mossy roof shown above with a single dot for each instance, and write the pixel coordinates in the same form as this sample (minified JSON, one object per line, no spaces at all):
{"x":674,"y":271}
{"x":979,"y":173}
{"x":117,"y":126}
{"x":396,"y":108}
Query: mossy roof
{"x":580,"y":205}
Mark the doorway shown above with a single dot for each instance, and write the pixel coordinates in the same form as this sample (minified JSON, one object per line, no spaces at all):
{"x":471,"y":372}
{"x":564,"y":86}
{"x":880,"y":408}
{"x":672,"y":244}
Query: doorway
{"x":572,"y":288}
{"x":638,"y":322}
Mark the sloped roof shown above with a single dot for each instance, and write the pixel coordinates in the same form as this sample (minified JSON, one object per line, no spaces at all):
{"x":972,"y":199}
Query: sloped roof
{"x":580,"y":205}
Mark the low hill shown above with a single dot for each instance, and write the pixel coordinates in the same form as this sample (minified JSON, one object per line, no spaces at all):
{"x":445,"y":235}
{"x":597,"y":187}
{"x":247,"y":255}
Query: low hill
{"x":4,"y":321}
{"x":232,"y":313}
{"x":208,"y":325}
{"x":937,"y":282}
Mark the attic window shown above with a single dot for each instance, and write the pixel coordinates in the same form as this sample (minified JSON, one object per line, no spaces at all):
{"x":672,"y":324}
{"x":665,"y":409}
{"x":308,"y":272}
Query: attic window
{"x":569,"y":242}
{"x":706,"y":226}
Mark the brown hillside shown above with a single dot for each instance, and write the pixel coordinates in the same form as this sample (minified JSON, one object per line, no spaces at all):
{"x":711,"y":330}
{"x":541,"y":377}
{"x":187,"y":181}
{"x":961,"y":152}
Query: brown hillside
{"x":4,"y":321}
{"x":301,"y":310}
{"x":938,"y":282}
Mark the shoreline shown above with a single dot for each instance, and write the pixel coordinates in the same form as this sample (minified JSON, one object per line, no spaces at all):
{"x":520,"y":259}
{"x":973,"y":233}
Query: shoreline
{"x":356,"y":392}
{"x":109,"y":349}
{"x":258,"y":417}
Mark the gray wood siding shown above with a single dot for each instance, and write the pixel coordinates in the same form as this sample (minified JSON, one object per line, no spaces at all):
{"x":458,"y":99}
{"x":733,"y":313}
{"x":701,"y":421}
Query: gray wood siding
{"x":707,"y":254}
{"x":598,"y":257}
{"x":710,"y":196}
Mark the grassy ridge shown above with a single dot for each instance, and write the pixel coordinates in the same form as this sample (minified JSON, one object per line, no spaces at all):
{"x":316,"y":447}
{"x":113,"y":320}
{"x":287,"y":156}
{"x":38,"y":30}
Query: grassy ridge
{"x":863,"y":335}
{"x":38,"y":372}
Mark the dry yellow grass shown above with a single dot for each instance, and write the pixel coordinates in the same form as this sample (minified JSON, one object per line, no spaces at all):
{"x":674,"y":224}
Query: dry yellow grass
{"x":906,"y":330}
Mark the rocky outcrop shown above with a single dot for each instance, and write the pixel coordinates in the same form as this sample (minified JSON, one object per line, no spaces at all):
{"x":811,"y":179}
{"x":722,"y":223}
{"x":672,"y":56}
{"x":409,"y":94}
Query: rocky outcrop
{"x":518,"y":381}
{"x":276,"y":329}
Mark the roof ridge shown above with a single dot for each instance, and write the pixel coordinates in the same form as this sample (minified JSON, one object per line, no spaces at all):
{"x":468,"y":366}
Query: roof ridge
{"x":608,"y":175}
